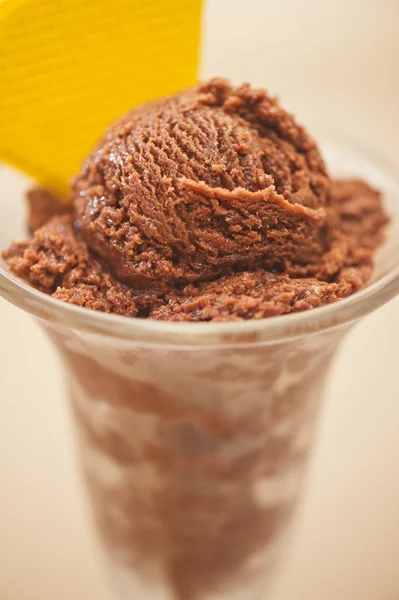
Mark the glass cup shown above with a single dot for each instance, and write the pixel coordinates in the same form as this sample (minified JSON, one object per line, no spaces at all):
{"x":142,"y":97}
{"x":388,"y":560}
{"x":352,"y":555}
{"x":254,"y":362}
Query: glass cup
{"x":195,"y":438}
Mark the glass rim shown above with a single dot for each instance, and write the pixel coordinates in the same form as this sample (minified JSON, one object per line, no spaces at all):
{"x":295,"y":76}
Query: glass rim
{"x":271,"y":329}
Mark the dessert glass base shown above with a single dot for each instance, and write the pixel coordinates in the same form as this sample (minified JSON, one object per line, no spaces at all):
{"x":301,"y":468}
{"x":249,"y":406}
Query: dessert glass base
{"x":195,"y":438}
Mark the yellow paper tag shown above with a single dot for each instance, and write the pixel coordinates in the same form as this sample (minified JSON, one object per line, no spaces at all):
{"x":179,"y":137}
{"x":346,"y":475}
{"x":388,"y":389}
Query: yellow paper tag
{"x":68,"y":68}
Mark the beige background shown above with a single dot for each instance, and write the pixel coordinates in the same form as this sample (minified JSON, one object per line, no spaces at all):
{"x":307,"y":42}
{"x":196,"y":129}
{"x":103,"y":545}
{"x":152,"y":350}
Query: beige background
{"x":336,"y":65}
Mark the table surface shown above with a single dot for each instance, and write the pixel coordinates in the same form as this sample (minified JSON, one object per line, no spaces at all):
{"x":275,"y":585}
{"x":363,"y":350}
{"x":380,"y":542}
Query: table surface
{"x":334,"y":66}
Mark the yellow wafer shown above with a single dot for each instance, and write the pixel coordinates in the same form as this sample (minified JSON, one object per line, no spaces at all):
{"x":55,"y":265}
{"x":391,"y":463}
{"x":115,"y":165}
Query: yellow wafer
{"x":68,"y":68}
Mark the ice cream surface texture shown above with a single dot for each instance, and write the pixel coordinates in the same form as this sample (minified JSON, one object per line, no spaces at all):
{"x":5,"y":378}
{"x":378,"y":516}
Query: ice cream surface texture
{"x":210,"y":205}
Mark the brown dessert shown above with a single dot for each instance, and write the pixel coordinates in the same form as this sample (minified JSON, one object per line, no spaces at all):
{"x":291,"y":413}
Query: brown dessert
{"x":212,"y":205}
{"x":209,"y":205}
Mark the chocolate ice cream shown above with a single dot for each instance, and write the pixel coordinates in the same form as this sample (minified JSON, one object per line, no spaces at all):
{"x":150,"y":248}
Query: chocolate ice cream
{"x":213,"y":205}
{"x":210,"y":205}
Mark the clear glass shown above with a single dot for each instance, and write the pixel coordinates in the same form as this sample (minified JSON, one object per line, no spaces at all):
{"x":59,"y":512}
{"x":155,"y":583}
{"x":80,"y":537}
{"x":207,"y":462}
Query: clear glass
{"x":195,"y":438}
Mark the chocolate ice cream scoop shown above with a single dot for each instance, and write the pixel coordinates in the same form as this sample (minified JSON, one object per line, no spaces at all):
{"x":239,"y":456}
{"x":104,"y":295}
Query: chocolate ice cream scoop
{"x":211,"y":205}
{"x":214,"y":178}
